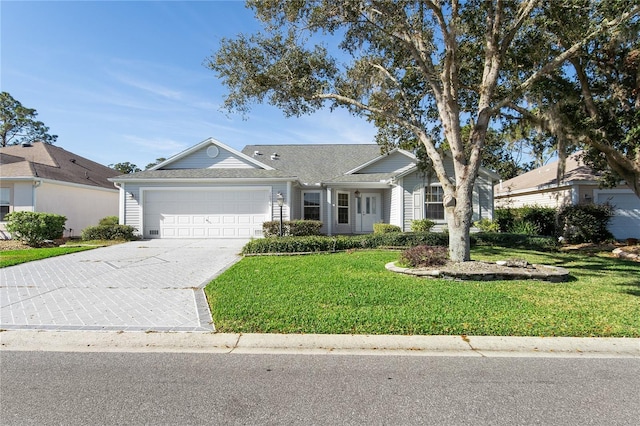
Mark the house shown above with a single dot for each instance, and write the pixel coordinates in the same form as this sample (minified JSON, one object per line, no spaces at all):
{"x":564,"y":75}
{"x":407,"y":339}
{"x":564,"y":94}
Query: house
{"x":578,"y":185}
{"x":40,"y":177}
{"x":212,"y":190}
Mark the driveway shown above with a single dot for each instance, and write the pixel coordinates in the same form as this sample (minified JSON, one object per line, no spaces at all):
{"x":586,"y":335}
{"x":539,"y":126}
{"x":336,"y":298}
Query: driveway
{"x":153,"y":285}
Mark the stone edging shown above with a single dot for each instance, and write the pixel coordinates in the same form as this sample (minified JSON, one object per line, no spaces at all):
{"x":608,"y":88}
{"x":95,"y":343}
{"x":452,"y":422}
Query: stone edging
{"x":556,"y":274}
{"x":624,"y":255}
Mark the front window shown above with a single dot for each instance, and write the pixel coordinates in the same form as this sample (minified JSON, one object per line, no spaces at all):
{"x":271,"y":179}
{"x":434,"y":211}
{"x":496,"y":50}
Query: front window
{"x":343,"y":208}
{"x":311,"y":206}
{"x":5,"y":202}
{"x":433,"y":196}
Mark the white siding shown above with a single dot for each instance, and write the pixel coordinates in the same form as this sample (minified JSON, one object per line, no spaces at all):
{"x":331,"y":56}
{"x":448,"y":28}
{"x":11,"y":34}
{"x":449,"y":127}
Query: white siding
{"x":396,"y":206}
{"x":200,"y":160}
{"x":555,"y":197}
{"x":390,"y":163}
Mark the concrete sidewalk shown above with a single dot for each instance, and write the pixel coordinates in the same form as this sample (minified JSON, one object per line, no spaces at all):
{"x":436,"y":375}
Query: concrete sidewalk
{"x":315,"y":344}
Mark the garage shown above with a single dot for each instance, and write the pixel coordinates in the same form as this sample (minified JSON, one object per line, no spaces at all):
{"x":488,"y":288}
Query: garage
{"x":231,"y":212}
{"x":626,"y":222}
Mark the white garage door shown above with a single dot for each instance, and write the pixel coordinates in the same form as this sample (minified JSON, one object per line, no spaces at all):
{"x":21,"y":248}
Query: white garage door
{"x":219,"y":213}
{"x":626,"y":222}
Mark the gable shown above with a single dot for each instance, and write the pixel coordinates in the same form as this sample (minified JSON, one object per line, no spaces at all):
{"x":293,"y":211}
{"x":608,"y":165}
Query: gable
{"x":395,"y":162}
{"x":210,"y":154}
{"x":210,"y":157}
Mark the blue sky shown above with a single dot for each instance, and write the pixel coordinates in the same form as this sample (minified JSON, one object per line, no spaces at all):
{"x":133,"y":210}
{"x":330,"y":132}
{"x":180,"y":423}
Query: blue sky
{"x":124,"y":80}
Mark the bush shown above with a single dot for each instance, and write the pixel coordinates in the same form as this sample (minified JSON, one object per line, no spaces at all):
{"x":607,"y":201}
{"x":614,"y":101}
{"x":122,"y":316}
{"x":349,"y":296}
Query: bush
{"x":109,"y":232}
{"x":487,"y":225}
{"x":385,"y":228}
{"x":109,"y":220}
{"x":422,"y":225}
{"x":520,"y":241}
{"x":531,"y":220}
{"x":424,"y":256}
{"x":35,"y":228}
{"x":298,"y":228}
{"x":586,"y":223}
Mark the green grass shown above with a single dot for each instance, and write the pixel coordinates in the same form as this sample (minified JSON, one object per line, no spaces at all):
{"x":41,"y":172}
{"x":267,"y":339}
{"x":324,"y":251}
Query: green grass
{"x":15,"y":257}
{"x":353,"y":293}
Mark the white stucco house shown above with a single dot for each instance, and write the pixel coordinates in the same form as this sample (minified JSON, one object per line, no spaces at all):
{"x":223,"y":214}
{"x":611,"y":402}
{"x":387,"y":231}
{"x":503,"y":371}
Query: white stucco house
{"x":578,"y":185}
{"x":214,"y":191}
{"x":39,"y":177}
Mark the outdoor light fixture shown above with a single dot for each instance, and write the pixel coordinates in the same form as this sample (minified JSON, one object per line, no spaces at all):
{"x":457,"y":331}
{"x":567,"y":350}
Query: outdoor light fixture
{"x":280,"y":200}
{"x":357,"y":194}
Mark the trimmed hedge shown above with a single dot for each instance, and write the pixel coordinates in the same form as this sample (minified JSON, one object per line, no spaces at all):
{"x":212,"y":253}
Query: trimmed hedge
{"x":109,"y":232}
{"x":531,"y":220}
{"x":385,"y":228}
{"x":321,"y":243}
{"x":298,"y":228}
{"x":586,"y":223}
{"x":35,"y":228}
{"x":422,"y":225}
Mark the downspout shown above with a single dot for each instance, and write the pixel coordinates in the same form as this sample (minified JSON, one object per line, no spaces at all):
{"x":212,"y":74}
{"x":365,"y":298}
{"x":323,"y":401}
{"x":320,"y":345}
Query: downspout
{"x":289,"y":200}
{"x":121,"y":203}
{"x":36,"y":184}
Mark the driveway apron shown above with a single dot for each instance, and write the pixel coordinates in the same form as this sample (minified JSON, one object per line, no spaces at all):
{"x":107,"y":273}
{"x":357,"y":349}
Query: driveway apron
{"x":153,"y":285}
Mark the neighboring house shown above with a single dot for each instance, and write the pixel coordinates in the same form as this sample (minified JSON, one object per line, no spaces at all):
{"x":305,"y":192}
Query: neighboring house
{"x":212,"y":190}
{"x":45,"y":178}
{"x":578,"y":185}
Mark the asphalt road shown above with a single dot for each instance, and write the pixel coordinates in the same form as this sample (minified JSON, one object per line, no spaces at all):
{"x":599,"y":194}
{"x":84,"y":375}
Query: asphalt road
{"x":194,"y":389}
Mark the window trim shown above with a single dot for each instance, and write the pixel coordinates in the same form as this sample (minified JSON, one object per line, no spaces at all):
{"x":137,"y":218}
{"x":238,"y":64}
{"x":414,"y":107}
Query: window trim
{"x":427,"y":203}
{"x":8,"y":203}
{"x":303,"y":206}
{"x":348,"y":207}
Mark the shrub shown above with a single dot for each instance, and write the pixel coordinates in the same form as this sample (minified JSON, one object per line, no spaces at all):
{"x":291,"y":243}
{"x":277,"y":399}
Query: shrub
{"x":521,"y":241}
{"x":528,"y":219}
{"x":109,"y":232}
{"x":35,"y":228}
{"x":487,"y":225}
{"x":385,"y":228}
{"x":422,"y":225}
{"x":586,"y":223}
{"x":526,"y":228}
{"x":424,"y":256}
{"x":109,"y":220}
{"x":504,"y":218}
{"x":298,"y":228}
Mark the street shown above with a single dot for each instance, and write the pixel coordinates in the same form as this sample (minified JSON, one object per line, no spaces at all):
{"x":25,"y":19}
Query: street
{"x":74,"y":388}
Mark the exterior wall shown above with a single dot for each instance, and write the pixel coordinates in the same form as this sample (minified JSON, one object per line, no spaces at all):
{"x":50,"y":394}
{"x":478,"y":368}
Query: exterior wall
{"x":133,"y":209}
{"x":21,"y":198}
{"x":554,"y":197}
{"x":391,"y":163}
{"x":200,"y":160}
{"x":396,"y":206}
{"x":81,"y":205}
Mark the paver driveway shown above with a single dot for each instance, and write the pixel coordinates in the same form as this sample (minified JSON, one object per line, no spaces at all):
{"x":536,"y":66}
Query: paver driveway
{"x":153,"y":285}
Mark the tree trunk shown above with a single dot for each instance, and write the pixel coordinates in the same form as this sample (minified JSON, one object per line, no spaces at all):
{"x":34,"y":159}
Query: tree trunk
{"x":459,"y":223}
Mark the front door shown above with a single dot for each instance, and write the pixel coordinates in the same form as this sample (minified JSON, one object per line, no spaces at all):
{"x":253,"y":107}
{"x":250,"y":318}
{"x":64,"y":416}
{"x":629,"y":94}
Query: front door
{"x":368,"y":212}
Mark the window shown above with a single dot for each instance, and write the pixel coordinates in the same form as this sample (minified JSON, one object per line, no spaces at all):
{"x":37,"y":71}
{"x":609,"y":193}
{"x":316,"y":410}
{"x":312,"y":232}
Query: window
{"x":5,"y":202}
{"x":343,"y":207}
{"x":433,"y":202}
{"x":311,"y":206}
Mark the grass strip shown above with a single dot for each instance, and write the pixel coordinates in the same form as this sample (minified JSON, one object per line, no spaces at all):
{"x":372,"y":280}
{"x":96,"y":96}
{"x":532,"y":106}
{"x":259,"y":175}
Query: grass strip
{"x":352,"y":292}
{"x":16,"y":257}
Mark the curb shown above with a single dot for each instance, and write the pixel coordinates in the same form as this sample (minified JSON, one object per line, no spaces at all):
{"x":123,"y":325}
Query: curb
{"x":316,"y":344}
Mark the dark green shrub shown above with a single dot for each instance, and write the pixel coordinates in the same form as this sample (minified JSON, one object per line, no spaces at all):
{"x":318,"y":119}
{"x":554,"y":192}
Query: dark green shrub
{"x":424,"y":256}
{"x":520,"y":241}
{"x":109,"y":220}
{"x":487,"y":225}
{"x":531,"y":220}
{"x":422,"y":225}
{"x":35,"y":228}
{"x":385,"y":228}
{"x":586,"y":223}
{"x":298,"y":228}
{"x":109,"y":232}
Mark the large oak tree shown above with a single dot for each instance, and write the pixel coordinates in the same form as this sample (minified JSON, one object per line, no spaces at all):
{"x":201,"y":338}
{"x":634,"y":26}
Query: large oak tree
{"x":18,"y":123}
{"x":419,"y":70}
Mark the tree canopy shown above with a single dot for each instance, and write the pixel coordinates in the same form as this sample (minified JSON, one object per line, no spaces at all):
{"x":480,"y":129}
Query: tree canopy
{"x":419,"y":70}
{"x":125,"y":168}
{"x":18,"y":123}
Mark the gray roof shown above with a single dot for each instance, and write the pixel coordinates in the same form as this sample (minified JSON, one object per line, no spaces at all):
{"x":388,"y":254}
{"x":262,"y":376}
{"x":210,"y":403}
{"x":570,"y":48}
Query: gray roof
{"x":362,"y":177}
{"x":205,"y":174}
{"x":314,"y":163}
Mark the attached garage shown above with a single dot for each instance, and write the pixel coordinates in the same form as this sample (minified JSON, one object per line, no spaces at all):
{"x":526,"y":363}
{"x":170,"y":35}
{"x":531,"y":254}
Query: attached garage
{"x":233,"y":212}
{"x":626,"y":222}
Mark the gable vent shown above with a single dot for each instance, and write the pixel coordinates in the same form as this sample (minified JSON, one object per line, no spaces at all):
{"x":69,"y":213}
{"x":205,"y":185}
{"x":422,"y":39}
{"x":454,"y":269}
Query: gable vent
{"x":154,"y":232}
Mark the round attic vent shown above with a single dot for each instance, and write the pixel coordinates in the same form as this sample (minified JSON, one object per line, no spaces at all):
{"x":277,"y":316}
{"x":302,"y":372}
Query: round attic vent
{"x":213,"y":151}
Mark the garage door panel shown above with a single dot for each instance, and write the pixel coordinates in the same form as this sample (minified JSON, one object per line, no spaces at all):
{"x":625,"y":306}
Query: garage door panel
{"x":626,"y":220}
{"x":218,"y":213}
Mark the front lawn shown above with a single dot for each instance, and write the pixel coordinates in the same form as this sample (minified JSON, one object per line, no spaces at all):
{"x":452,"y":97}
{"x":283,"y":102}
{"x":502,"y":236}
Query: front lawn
{"x":15,"y":257}
{"x":352,"y":292}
